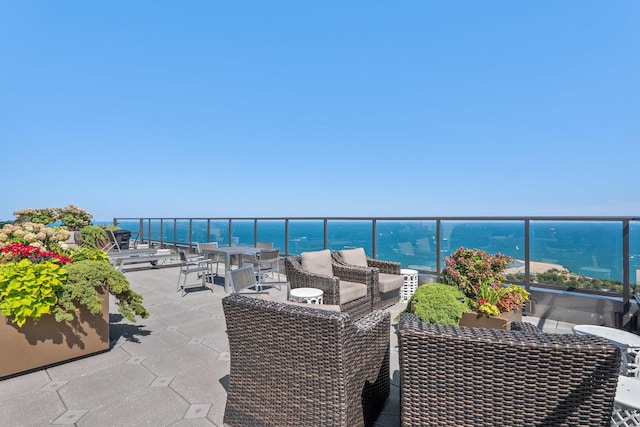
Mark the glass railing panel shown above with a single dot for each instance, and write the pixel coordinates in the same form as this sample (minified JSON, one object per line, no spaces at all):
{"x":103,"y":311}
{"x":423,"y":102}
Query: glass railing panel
{"x":181,"y":231}
{"x":577,"y":254}
{"x":349,"y":234}
{"x":272,"y":231}
{"x":305,"y":235}
{"x":411,"y":243}
{"x":242,"y":232}
{"x":505,"y":237}
{"x":199,"y":231}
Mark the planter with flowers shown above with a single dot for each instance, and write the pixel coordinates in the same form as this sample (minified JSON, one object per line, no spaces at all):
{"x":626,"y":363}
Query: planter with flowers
{"x":493,"y":302}
{"x":54,"y":302}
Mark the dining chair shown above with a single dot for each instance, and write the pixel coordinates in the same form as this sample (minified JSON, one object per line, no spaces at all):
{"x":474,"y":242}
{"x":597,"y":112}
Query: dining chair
{"x":216,"y":258}
{"x":203,"y":268}
{"x":243,"y":280}
{"x":264,"y":262}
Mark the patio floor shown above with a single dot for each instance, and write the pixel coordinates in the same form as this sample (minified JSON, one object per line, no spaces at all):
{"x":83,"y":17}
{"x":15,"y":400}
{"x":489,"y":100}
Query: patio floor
{"x":171,"y":369}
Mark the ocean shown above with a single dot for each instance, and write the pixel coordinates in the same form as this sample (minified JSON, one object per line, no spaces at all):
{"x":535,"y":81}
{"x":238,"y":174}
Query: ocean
{"x":589,"y":248}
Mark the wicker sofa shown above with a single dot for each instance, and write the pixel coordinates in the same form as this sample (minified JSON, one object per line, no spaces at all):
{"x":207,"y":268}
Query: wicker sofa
{"x":453,"y":375}
{"x":347,"y":286}
{"x":300,"y":365}
{"x":387,"y":277}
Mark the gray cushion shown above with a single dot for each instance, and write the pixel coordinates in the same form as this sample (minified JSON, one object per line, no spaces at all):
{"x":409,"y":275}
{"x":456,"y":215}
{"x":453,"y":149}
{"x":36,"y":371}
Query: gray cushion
{"x":273,"y":298}
{"x":354,"y":256}
{"x":351,"y":291}
{"x":390,"y":282}
{"x":318,"y":262}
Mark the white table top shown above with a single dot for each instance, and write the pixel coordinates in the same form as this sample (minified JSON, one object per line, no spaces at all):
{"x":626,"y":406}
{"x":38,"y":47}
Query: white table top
{"x":628,"y":392}
{"x":408,"y":271}
{"x":618,"y":337}
{"x":306,"y":292}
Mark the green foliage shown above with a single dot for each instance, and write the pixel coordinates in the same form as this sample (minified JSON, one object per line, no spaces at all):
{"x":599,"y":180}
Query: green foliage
{"x":467,"y":268}
{"x":74,"y":217}
{"x":29,"y":290}
{"x":438,"y":303}
{"x":82,"y":253}
{"x":39,"y":216}
{"x":89,"y":274}
{"x":568,"y":280}
{"x":112,"y":227}
{"x":93,"y":236}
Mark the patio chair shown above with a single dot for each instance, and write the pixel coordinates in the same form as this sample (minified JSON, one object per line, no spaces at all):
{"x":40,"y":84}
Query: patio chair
{"x":217,"y":259}
{"x":302,"y":365}
{"x":387,"y":277}
{"x":264,"y":262}
{"x":343,"y":285}
{"x":243,"y":280}
{"x":452,"y":375}
{"x":203,"y":268}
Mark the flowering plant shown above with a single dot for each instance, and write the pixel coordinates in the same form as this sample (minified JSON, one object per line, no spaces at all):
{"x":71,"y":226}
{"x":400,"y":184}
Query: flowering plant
{"x":72,"y":216}
{"x":39,"y":276}
{"x":480,"y":276}
{"x":33,"y":234}
{"x":18,"y":251}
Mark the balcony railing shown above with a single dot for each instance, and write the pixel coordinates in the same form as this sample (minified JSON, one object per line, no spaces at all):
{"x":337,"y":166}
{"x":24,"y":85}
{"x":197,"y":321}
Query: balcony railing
{"x":597,"y":256}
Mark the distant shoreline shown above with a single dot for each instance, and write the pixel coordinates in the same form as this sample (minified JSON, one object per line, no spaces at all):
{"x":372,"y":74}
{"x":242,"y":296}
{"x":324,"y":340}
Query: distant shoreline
{"x":536,"y":267}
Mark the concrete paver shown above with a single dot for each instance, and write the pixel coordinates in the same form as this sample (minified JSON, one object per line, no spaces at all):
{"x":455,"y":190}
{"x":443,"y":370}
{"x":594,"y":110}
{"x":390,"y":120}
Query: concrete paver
{"x":169,"y":369}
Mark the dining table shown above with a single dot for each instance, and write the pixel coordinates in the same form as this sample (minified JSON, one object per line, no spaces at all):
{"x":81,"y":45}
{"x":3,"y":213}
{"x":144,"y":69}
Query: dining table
{"x":227,"y":252}
{"x":627,"y":342}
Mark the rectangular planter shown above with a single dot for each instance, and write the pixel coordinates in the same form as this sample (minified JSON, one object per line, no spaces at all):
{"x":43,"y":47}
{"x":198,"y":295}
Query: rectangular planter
{"x":502,"y":321}
{"x":46,"y":342}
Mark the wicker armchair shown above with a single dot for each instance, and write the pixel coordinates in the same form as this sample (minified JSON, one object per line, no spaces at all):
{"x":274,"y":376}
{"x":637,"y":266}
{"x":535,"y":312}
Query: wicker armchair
{"x":453,"y":375}
{"x":299,"y":365}
{"x":338,"y":282}
{"x":387,"y":278}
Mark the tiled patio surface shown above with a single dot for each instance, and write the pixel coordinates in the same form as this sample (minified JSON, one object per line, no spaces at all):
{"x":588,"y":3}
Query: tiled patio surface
{"x":168,"y":370}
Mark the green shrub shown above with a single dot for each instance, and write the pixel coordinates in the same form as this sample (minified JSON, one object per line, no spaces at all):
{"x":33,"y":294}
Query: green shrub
{"x":93,"y":236}
{"x":82,"y":253}
{"x":438,"y":303}
{"x":85,"y":276}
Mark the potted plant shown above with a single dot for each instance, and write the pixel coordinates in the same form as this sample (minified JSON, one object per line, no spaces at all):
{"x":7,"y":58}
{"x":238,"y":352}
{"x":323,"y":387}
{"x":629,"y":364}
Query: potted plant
{"x":480,"y":277}
{"x":54,"y":302}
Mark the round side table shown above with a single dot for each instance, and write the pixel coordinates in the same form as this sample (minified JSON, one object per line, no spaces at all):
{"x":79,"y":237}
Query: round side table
{"x":410,"y":283}
{"x":308,"y":295}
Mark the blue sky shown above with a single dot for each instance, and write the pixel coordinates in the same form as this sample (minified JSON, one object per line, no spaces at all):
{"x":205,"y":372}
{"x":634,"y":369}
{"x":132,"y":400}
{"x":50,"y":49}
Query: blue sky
{"x":248,"y":108}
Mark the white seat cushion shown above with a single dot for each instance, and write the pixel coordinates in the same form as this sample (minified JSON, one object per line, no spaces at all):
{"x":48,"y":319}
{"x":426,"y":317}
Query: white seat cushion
{"x":318,"y":262}
{"x":355,"y":256}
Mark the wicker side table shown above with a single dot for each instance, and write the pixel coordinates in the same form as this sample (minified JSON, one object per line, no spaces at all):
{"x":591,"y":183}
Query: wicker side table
{"x":410,"y":283}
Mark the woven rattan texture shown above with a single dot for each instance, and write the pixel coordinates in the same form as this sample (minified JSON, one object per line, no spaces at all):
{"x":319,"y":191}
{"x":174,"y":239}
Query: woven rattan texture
{"x":297,"y":365}
{"x":380,"y":300}
{"x":488,"y":377}
{"x":300,"y":278}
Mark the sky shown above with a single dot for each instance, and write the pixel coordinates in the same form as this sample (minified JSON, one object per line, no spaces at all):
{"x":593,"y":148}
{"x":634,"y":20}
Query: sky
{"x":154,"y":108}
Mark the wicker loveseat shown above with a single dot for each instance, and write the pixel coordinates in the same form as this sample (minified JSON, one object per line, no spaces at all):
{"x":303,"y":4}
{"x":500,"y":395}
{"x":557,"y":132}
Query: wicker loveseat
{"x":347,"y":286}
{"x":453,"y":375}
{"x":387,"y":277}
{"x":299,"y":365}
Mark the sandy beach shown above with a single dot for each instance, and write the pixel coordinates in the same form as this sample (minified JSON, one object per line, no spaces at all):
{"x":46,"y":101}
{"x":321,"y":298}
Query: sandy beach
{"x":517,"y":266}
